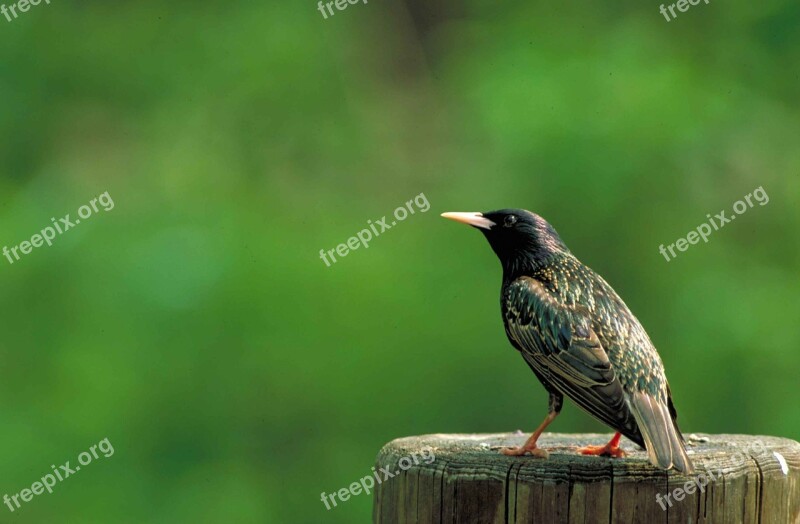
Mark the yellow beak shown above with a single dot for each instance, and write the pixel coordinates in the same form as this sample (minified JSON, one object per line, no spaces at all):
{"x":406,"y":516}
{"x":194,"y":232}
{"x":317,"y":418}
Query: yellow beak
{"x":472,"y":219}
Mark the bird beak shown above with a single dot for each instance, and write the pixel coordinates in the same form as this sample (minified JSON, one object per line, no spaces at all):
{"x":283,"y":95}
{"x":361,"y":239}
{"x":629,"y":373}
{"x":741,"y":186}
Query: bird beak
{"x":472,"y":219}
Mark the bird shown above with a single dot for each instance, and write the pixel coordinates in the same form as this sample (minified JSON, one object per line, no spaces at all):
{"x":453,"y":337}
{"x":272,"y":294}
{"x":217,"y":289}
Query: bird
{"x":580,"y":340}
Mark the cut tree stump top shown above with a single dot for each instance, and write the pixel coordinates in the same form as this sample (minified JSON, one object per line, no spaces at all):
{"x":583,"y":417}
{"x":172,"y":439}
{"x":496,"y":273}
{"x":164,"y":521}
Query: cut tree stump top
{"x":737,"y":479}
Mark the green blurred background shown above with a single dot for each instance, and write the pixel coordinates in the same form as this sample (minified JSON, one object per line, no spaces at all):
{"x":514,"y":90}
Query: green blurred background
{"x":236,"y":375}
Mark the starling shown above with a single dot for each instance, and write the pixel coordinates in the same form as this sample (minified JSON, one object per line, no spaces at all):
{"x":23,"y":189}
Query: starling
{"x":579,"y":339}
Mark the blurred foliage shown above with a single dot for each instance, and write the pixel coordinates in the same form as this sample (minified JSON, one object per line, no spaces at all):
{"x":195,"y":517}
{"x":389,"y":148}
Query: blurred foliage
{"x":235,"y":374}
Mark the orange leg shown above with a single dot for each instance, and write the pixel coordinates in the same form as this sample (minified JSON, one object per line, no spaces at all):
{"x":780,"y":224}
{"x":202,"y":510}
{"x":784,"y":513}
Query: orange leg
{"x":611,"y":449}
{"x":530,"y":444}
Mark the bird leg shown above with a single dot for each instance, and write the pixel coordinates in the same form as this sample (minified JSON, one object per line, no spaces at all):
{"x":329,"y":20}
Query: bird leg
{"x":554,"y":407}
{"x":530,"y":444}
{"x":611,"y":449}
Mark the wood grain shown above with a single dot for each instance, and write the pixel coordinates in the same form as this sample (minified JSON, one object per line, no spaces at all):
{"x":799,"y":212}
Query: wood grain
{"x":738,"y":479}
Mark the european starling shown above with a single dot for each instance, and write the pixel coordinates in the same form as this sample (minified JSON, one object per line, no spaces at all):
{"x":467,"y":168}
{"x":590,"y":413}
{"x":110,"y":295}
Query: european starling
{"x":579,"y":339}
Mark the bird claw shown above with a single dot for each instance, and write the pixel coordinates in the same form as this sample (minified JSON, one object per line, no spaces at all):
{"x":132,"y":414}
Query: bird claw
{"x":602,"y":451}
{"x":518,"y":451}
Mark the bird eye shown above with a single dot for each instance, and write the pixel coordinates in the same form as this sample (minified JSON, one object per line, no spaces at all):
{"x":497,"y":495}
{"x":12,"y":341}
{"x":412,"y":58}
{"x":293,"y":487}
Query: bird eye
{"x":509,"y":221}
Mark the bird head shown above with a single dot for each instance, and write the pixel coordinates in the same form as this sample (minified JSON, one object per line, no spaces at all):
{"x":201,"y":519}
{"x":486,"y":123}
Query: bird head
{"x":521,"y":240}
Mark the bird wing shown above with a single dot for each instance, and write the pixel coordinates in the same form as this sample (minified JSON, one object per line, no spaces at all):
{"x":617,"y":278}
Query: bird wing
{"x":559,"y":343}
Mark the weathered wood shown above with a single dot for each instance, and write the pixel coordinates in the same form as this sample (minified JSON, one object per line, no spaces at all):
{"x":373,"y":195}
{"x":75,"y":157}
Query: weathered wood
{"x":738,"y":479}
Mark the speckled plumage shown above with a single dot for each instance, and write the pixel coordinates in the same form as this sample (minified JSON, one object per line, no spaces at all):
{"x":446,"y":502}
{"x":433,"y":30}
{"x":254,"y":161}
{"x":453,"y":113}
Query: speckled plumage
{"x":579,"y":337}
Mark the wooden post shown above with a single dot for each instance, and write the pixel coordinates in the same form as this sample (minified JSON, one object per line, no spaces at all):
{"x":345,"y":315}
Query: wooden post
{"x":464,"y":478}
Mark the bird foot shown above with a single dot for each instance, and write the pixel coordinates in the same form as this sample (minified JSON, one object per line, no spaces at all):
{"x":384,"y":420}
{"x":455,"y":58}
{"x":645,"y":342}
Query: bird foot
{"x":518,"y":451}
{"x":602,"y":451}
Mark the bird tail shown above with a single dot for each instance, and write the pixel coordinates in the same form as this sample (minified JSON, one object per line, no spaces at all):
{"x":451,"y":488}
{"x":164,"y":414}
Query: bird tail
{"x":662,"y":437}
